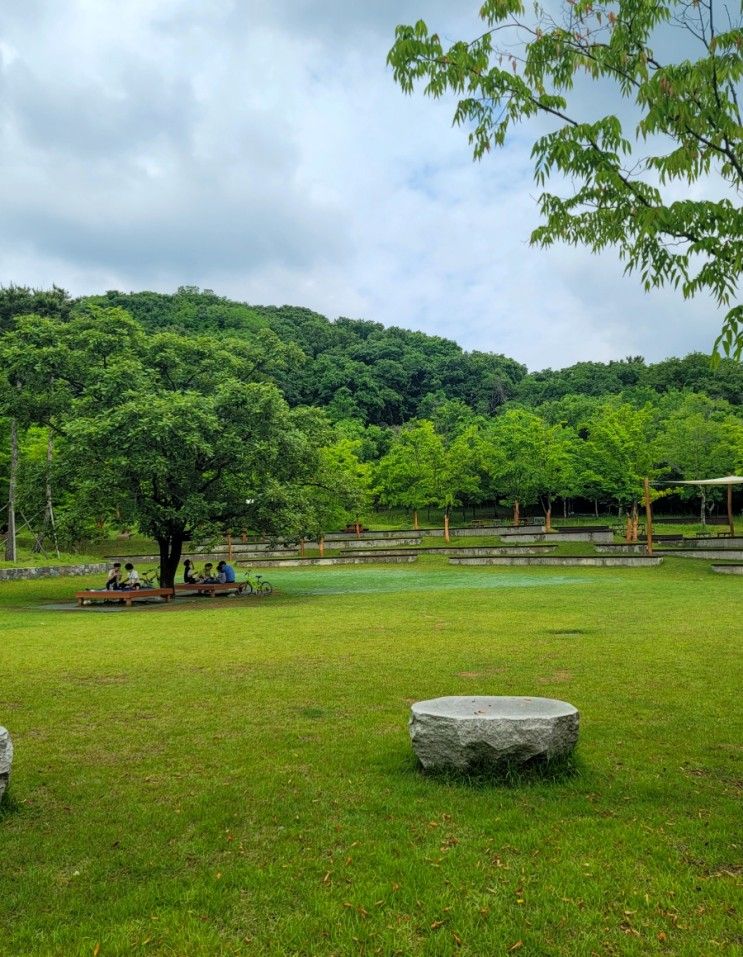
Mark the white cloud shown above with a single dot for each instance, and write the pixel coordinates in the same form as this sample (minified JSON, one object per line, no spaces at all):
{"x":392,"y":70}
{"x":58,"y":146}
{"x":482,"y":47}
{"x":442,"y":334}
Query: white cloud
{"x":262,"y":150}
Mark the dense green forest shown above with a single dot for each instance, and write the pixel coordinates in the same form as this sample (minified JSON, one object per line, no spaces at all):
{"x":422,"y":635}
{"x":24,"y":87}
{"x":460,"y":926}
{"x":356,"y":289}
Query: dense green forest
{"x":188,"y":413}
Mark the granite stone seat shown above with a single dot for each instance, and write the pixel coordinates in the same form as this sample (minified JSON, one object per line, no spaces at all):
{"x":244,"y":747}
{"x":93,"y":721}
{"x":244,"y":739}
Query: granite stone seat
{"x":6,"y":759}
{"x":470,"y":733}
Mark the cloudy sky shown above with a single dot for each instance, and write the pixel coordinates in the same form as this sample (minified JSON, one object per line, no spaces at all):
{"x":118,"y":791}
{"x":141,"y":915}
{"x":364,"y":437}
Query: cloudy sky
{"x":261,"y":149}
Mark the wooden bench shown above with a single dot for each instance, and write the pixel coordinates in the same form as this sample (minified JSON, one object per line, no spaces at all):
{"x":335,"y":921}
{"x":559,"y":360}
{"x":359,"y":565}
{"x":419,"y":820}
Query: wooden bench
{"x":211,"y":588}
{"x":127,"y":597}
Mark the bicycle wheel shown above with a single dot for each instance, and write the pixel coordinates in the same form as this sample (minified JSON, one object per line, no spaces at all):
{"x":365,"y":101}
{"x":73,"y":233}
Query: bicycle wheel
{"x":247,"y":588}
{"x":265,"y":588}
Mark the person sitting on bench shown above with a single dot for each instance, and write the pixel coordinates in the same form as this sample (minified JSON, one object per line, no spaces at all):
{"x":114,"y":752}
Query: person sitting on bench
{"x":209,"y":578}
{"x":189,"y":574}
{"x":132,"y":580}
{"x":225,"y":573}
{"x":113,"y":582}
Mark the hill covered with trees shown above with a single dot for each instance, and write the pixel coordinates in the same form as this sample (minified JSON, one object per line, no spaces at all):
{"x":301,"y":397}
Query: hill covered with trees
{"x":386,"y":376}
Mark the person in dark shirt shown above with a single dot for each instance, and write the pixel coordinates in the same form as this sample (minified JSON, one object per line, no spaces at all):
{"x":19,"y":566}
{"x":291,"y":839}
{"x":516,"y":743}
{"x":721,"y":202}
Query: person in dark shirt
{"x":189,"y":575}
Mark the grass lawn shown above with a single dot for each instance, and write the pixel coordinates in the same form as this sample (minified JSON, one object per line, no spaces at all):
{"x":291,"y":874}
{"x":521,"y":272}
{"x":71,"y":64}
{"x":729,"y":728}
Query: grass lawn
{"x":235,"y":776}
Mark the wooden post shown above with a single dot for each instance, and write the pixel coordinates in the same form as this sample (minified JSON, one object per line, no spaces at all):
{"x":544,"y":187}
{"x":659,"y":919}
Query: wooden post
{"x":446,"y":526}
{"x":648,"y":518}
{"x":731,"y":520}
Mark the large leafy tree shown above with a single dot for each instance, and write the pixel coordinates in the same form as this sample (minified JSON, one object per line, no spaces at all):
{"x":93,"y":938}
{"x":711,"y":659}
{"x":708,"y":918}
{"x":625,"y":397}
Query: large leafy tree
{"x":171,"y":433}
{"x":677,"y":121}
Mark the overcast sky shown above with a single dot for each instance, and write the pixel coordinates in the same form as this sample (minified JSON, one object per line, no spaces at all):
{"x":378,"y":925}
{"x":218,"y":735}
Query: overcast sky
{"x":261,"y":149}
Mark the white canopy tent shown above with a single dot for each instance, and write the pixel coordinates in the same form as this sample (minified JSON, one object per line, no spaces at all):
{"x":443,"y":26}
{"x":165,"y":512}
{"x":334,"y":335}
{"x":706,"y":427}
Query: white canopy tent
{"x":729,"y":480}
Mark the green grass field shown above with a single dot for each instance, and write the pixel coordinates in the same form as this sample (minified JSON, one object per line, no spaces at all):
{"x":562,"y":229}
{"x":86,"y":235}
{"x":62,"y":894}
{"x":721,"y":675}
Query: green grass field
{"x":235,"y":777}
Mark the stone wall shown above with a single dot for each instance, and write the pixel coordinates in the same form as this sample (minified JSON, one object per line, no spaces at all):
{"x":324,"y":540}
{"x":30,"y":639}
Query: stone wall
{"x":728,"y":569}
{"x":629,"y":561}
{"x":381,"y":559}
{"x":53,"y":571}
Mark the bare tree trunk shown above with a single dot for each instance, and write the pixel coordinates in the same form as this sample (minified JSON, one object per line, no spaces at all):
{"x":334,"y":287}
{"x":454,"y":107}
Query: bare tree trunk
{"x":703,"y":510}
{"x":564,"y":508}
{"x":596,"y":507}
{"x":548,"y":515}
{"x":11,"y":552}
{"x":446,"y":526}
{"x":516,"y":512}
{"x":416,"y":526}
{"x":48,"y":522}
{"x":321,"y":543}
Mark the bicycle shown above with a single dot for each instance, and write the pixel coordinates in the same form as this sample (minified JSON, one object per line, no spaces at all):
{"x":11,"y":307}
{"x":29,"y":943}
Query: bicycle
{"x":256,"y":586}
{"x":150,"y":578}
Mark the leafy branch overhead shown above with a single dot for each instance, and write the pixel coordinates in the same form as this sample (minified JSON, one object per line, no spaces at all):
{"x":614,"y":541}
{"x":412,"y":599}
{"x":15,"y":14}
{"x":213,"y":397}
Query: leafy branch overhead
{"x":676,"y":125}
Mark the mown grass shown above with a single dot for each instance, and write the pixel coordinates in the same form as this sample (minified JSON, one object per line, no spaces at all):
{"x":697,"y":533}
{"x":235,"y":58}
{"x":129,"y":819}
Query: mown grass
{"x":235,"y":777}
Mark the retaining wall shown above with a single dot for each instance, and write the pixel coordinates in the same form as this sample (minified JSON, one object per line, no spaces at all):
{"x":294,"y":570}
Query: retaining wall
{"x":557,"y":537}
{"x":720,"y":553}
{"x":728,"y":569}
{"x":53,"y":571}
{"x":713,"y":541}
{"x":631,"y":561}
{"x":341,"y":560}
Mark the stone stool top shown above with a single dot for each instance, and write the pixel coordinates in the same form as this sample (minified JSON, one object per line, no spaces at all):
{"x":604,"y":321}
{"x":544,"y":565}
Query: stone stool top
{"x":466,"y":732}
{"x":491,"y":706}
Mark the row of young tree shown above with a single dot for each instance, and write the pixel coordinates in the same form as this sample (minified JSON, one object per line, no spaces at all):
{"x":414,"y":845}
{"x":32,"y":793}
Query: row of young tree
{"x":525,"y":460}
{"x":184,"y":436}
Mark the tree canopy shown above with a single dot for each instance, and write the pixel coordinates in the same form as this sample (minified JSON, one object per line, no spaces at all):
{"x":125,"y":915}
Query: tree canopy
{"x":671,"y":71}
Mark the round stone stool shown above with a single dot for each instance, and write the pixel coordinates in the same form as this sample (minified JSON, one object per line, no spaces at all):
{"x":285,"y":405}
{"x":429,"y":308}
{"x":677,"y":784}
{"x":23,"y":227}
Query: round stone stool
{"x":6,"y":759}
{"x":462,"y":734}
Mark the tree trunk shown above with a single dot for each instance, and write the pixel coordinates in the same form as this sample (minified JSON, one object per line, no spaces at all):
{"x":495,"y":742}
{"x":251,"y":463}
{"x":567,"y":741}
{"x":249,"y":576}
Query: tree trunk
{"x":596,"y":507}
{"x":635,"y":522}
{"x":703,"y":510}
{"x":548,"y":515}
{"x":301,"y":548}
{"x":171,"y":548}
{"x":416,"y":526}
{"x":446,"y":526}
{"x":321,"y":543}
{"x":564,"y":508}
{"x":516,"y":513}
{"x":11,"y":553}
{"x":48,"y":522}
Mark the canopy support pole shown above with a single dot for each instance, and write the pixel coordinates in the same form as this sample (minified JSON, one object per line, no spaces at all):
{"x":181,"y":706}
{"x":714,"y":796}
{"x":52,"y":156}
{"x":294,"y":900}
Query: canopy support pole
{"x":731,"y":520}
{"x":648,"y":519}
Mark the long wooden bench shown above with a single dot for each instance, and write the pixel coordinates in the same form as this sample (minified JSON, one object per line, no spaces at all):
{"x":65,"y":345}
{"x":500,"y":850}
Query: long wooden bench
{"x":211,"y":588}
{"x":127,"y":597}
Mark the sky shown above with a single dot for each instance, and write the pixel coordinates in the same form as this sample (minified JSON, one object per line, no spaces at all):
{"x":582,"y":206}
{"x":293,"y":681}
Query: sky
{"x":260,"y":148}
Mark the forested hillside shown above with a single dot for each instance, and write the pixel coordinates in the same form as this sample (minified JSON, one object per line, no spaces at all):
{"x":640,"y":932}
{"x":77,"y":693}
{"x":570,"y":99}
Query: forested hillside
{"x":385,"y":376}
{"x":184,"y":414}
